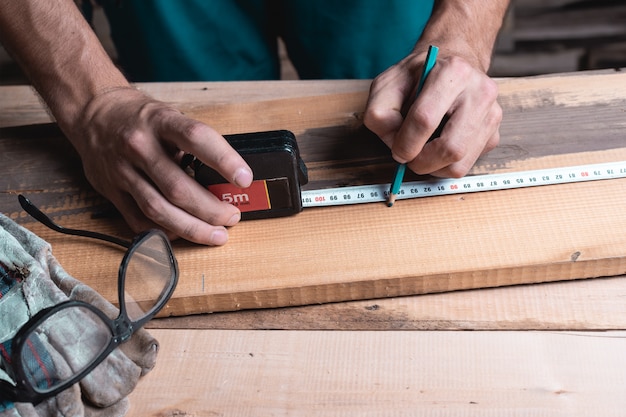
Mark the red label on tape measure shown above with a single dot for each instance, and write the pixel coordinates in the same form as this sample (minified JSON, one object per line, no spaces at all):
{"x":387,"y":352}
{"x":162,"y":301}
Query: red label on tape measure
{"x":253,"y":198}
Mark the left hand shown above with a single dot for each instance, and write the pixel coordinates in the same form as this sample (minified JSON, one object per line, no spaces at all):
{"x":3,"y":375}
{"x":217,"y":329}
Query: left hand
{"x":455,"y":88}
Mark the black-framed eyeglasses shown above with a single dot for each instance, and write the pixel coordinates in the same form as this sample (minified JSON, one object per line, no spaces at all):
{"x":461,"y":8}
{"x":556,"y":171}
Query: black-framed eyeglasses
{"x":41,"y":358}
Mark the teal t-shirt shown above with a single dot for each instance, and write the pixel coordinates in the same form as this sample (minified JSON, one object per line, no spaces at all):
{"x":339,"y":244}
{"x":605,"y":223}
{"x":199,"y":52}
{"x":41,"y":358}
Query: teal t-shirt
{"x":212,"y":40}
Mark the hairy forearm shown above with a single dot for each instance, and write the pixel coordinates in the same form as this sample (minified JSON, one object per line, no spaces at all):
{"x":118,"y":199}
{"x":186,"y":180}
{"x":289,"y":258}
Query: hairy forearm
{"x":59,"y":53}
{"x":465,"y":28}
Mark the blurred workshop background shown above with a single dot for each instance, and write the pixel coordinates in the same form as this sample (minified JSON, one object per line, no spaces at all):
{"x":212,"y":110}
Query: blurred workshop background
{"x":538,"y":37}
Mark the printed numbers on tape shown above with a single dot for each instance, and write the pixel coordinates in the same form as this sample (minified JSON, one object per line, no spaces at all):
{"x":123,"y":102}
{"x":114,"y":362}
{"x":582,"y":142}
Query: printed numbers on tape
{"x":470,"y":184}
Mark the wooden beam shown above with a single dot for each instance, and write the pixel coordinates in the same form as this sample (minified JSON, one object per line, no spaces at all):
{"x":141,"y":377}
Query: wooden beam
{"x":421,"y":246}
{"x":259,"y":373}
{"x":592,"y":304}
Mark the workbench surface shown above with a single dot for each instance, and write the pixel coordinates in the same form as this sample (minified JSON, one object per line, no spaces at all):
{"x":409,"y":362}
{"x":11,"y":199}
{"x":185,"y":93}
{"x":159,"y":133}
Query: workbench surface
{"x":542,"y":349}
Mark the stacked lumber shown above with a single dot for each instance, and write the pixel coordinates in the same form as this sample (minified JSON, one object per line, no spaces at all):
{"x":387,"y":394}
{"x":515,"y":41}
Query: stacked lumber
{"x":549,"y":36}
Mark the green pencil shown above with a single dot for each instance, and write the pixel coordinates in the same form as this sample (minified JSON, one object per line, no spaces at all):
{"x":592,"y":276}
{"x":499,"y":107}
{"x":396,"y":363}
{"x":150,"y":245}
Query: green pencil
{"x":431,"y":59}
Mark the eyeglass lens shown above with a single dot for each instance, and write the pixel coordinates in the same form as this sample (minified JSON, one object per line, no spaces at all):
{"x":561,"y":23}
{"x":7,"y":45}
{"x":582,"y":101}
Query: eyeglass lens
{"x":62,"y":346}
{"x":149,"y":274}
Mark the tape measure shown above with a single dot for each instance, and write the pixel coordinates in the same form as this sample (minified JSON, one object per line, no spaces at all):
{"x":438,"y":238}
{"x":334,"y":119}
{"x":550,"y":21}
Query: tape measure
{"x":280,"y":174}
{"x":469,"y":184}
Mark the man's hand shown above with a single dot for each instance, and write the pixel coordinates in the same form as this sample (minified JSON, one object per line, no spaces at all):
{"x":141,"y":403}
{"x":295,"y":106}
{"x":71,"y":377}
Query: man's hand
{"x":455,"y":90}
{"x":131,"y":145}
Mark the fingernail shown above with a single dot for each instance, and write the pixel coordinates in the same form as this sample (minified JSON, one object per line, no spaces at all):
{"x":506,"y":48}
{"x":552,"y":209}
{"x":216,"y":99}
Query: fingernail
{"x":243,"y":177}
{"x":234,"y":220}
{"x":219,"y":237}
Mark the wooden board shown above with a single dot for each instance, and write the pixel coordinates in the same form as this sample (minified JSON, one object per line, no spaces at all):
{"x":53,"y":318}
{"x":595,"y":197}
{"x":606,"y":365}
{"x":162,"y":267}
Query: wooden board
{"x":421,"y":246}
{"x":582,"y":305}
{"x":300,"y":373}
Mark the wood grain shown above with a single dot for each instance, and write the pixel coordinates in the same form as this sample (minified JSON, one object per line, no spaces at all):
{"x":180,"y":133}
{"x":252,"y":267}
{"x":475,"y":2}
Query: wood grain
{"x":591,"y":304}
{"x":300,"y":373}
{"x":420,"y":246}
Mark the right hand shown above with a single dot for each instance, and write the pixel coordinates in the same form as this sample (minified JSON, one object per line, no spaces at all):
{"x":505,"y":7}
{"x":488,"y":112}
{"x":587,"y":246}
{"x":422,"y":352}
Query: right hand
{"x":457,"y":88}
{"x":130,"y":146}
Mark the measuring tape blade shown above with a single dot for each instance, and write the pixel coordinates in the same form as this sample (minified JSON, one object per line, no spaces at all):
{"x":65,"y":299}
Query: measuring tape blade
{"x":469,"y":184}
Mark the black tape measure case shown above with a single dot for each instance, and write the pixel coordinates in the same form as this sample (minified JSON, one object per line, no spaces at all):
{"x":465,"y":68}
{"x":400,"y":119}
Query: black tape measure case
{"x":278,"y":174}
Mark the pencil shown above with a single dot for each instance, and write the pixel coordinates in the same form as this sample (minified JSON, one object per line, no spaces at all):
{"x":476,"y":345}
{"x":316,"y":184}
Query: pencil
{"x":431,"y":59}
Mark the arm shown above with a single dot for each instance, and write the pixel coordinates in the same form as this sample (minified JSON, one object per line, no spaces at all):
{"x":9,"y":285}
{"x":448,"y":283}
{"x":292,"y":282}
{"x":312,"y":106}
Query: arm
{"x":457,"y":87}
{"x":128,"y":142}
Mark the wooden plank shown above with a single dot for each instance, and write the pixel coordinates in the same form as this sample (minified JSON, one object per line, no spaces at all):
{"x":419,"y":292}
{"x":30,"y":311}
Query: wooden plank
{"x":549,"y":122}
{"x":532,"y":62}
{"x":596,"y":304}
{"x":278,"y":373}
{"x":20,"y":105}
{"x":541,"y":37}
{"x":586,"y":22}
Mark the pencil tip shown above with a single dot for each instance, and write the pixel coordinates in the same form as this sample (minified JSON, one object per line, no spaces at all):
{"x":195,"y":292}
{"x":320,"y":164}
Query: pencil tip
{"x":391,"y":200}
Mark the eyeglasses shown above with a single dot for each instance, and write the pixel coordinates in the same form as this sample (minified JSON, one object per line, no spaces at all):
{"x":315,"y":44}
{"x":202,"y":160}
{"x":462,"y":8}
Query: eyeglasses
{"x":50,"y":352}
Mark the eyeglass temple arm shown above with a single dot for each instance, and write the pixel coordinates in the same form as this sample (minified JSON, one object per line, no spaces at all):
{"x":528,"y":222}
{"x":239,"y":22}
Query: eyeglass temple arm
{"x":31,"y":209}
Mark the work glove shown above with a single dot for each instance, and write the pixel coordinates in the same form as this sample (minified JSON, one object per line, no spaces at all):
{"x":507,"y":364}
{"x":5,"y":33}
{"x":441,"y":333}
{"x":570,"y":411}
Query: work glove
{"x":32,"y":279}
